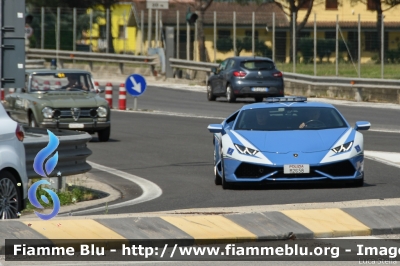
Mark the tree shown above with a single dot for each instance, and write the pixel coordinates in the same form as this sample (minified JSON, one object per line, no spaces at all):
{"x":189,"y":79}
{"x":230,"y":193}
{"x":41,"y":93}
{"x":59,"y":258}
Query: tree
{"x":225,"y":45}
{"x":294,"y":6}
{"x":377,"y":5}
{"x":201,"y":6}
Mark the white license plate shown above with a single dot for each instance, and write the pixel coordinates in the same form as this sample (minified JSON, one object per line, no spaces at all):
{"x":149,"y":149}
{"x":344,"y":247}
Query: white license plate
{"x":76,"y":125}
{"x":296,"y":169}
{"x":261,"y":89}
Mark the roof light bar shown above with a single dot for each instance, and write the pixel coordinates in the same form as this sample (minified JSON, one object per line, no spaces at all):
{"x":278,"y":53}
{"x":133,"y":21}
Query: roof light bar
{"x":286,"y":99}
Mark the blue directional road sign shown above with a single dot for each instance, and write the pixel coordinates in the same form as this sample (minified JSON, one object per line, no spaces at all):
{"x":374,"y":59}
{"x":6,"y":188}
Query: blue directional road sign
{"x":135,"y":84}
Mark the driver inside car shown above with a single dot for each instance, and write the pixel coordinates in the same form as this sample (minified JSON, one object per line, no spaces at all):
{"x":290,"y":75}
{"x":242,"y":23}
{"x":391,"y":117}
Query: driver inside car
{"x":73,"y":83}
{"x":313,"y":115}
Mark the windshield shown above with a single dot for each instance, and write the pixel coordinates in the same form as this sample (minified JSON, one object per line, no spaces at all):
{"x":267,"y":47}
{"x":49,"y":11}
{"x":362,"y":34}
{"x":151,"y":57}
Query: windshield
{"x":289,"y":118}
{"x":61,"y":82}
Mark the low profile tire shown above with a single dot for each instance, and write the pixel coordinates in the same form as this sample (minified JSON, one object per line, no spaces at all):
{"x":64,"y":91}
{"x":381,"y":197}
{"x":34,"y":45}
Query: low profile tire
{"x":229,"y":94}
{"x":358,"y":182}
{"x":104,"y":135}
{"x":217,"y":177}
{"x":210,"y":95}
{"x":225,"y":185}
{"x":258,"y":99}
{"x":32,"y":121}
{"x":10,"y":196}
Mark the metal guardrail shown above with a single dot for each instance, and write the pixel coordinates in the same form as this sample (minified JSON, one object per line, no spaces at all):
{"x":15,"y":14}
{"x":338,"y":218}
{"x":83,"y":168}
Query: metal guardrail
{"x":92,"y":57}
{"x":301,"y":78}
{"x":34,"y":63}
{"x":72,"y":150}
{"x":342,"y":81}
{"x":192,"y":65}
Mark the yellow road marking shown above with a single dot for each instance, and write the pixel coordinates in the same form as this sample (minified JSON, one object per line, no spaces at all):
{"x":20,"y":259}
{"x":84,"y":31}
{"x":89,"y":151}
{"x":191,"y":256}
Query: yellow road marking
{"x":329,"y":222}
{"x":211,"y":229}
{"x":60,"y":231}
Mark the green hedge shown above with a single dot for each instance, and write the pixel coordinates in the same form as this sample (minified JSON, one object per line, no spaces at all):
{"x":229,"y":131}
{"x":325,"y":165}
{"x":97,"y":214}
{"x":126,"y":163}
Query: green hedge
{"x":325,"y":48}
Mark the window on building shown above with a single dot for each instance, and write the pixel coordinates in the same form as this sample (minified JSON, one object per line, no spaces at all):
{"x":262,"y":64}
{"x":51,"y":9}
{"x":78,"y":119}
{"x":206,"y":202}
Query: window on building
{"x":224,"y":34}
{"x":330,"y":35}
{"x":371,"y":5}
{"x":331,"y":4}
{"x":248,"y":34}
{"x":102,"y":31}
{"x":304,"y":4}
{"x":121,"y":32}
{"x":371,"y":41}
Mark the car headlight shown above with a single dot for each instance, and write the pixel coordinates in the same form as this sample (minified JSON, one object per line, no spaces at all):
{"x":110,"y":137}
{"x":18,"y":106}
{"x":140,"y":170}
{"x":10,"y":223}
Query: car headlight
{"x":47,"y":112}
{"x":245,"y":150}
{"x":343,"y":147}
{"x":102,"y":111}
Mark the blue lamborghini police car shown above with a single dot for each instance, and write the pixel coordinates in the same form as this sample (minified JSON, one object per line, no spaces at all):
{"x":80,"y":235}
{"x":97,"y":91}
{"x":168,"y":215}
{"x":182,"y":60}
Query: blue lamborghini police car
{"x":288,"y":139}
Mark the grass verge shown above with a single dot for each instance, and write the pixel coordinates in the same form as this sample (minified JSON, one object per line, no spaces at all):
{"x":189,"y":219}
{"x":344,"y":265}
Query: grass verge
{"x":368,"y":70}
{"x":74,"y":192}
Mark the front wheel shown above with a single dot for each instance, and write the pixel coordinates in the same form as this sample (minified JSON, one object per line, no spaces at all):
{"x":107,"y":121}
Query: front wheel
{"x":358,"y":182}
{"x":10,"y":196}
{"x":217,"y":177}
{"x":225,"y":184}
{"x":104,"y":135}
{"x":32,"y":121}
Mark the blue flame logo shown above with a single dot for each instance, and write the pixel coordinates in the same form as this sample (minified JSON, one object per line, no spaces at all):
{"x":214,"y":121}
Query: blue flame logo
{"x":44,"y":168}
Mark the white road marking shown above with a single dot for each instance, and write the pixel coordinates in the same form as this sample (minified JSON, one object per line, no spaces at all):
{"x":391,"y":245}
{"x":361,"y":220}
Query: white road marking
{"x":155,"y":112}
{"x":389,"y":158}
{"x":150,"y":190}
{"x":385,"y":130}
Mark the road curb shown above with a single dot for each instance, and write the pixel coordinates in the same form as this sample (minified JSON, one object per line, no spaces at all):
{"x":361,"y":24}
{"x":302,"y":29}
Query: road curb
{"x":218,"y":228}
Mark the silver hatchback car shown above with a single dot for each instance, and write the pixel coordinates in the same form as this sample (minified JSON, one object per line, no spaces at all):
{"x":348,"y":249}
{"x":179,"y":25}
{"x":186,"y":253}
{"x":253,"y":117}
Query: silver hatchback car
{"x":13,"y":177}
{"x":240,"y":77}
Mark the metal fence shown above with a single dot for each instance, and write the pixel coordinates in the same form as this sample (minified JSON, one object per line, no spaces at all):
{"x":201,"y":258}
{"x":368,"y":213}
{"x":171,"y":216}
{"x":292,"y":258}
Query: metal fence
{"x":345,"y":45}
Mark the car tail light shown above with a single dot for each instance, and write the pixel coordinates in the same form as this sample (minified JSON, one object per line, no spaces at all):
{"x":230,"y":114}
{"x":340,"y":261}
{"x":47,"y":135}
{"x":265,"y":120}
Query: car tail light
{"x":19,"y":133}
{"x":239,"y":74}
{"x":278,"y":74}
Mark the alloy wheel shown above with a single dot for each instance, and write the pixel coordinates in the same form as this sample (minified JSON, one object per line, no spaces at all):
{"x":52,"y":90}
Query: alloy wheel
{"x":8,"y":199}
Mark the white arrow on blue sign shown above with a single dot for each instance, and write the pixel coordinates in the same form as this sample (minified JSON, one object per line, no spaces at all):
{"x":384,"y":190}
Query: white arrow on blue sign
{"x":135,"y":84}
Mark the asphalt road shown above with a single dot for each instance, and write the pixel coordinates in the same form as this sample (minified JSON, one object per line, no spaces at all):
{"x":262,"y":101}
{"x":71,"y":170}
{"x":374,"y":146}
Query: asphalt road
{"x":175,"y":152}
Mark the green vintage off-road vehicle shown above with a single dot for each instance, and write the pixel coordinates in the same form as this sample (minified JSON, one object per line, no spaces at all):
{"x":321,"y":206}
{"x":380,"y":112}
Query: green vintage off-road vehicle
{"x":61,"y":98}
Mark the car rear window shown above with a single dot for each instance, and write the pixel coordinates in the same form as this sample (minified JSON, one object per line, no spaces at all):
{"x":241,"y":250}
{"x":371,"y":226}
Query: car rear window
{"x":258,"y":65}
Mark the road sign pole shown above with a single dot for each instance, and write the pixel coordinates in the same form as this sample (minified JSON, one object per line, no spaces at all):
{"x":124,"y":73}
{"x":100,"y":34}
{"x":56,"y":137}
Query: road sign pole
{"x":134,"y":103}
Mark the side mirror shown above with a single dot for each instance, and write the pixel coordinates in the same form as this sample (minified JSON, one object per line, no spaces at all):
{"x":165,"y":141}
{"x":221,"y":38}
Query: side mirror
{"x":362,"y":125}
{"x":214,"y":70}
{"x":215,"y":128}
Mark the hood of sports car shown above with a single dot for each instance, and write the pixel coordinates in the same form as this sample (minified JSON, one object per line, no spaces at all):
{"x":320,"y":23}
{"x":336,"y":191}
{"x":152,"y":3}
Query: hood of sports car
{"x":294,"y":140}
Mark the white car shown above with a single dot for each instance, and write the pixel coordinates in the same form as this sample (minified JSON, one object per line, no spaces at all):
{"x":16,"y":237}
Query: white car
{"x":13,"y":177}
